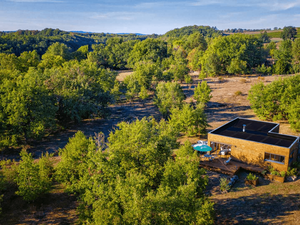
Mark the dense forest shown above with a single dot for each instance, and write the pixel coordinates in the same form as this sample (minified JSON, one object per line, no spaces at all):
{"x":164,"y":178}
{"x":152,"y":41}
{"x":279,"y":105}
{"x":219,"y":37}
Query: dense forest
{"x":51,"y":78}
{"x":30,"y":40}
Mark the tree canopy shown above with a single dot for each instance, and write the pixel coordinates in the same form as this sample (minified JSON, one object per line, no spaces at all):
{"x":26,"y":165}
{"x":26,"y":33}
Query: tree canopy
{"x":289,"y":33}
{"x":277,"y":100}
{"x":135,"y":180}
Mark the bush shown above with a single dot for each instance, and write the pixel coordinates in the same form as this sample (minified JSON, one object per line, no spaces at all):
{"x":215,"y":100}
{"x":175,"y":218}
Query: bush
{"x":264,"y":70}
{"x":251,"y":176}
{"x":276,"y":173}
{"x":33,"y":179}
{"x":8,"y":173}
{"x":221,"y":79}
{"x":291,"y":171}
{"x":243,"y":81}
{"x":238,"y":93}
{"x":224,"y":187}
{"x":282,"y":173}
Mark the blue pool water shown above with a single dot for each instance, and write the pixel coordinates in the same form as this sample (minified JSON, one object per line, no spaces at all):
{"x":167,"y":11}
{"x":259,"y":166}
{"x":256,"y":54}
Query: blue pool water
{"x":203,"y":148}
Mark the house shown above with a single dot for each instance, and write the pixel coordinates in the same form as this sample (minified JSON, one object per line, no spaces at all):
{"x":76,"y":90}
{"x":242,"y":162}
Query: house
{"x":256,"y":142}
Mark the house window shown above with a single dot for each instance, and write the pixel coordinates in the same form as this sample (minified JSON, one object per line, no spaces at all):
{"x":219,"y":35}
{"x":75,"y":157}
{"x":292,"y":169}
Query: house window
{"x":274,"y":158}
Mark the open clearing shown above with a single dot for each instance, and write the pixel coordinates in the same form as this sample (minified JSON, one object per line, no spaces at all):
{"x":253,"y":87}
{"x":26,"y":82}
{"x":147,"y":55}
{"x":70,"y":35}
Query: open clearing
{"x":267,"y":204}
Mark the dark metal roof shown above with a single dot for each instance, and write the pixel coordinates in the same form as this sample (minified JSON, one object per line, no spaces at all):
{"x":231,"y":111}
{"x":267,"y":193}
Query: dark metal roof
{"x":258,"y":131}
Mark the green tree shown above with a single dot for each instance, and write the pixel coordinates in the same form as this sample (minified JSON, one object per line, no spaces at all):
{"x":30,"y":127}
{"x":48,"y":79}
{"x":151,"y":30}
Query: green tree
{"x":232,"y":54}
{"x":149,"y":49}
{"x":55,"y":56}
{"x":143,"y":93}
{"x":146,"y":72}
{"x":283,"y":57}
{"x":296,"y":56}
{"x":195,"y":40}
{"x":28,"y":109}
{"x":189,"y":120}
{"x":73,"y":164}
{"x":132,"y":85}
{"x":33,"y":179}
{"x":202,"y":93}
{"x":277,"y":100}
{"x":81,"y":53}
{"x":136,"y":181}
{"x":264,"y":37}
{"x":294,"y":114}
{"x":167,"y":96}
{"x":82,"y":89}
{"x":194,"y":57}
{"x":27,"y":60}
{"x":289,"y":32}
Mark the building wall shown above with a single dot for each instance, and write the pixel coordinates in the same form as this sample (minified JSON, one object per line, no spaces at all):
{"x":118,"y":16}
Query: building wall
{"x":252,"y":152}
{"x":294,"y":152}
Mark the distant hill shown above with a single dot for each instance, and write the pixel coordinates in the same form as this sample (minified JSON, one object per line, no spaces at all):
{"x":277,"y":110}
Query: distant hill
{"x":87,"y":32}
{"x":206,"y":31}
{"x":28,"y":40}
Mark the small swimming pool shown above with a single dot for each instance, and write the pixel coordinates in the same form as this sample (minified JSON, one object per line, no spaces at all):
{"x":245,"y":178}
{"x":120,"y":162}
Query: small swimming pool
{"x":202,"y":148}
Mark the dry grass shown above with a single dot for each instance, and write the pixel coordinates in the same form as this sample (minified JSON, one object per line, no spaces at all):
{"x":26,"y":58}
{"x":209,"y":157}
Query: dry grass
{"x":238,"y":93}
{"x":122,"y":74}
{"x":274,"y":203}
{"x":243,"y":80}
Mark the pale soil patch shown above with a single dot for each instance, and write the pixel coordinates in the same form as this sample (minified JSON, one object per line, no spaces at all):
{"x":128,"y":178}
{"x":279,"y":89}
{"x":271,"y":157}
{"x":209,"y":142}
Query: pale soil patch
{"x":225,"y":105}
{"x":123,"y":73}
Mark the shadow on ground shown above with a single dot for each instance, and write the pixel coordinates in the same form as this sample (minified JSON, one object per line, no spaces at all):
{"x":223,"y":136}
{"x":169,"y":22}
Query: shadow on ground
{"x":264,"y":208}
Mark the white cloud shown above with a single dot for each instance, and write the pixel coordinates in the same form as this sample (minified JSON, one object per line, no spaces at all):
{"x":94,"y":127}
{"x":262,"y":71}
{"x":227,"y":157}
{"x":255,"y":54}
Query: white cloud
{"x":203,"y":3}
{"x":117,"y":15}
{"x":279,"y":5}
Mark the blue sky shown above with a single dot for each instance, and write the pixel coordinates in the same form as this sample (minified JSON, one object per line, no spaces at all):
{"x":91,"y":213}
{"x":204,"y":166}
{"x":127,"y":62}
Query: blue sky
{"x":147,"y":17}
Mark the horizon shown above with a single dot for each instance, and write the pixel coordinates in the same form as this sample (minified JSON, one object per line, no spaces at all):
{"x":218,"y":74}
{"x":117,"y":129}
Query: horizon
{"x":145,"y":17}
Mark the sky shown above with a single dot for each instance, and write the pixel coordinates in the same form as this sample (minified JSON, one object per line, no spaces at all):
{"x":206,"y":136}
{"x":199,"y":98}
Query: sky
{"x":146,"y":17}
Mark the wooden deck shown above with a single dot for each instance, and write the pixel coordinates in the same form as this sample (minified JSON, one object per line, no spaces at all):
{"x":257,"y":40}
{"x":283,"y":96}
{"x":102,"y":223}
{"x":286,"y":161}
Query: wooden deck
{"x":232,"y":168}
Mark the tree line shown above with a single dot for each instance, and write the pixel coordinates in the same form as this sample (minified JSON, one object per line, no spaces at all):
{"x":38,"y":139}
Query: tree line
{"x":41,"y":94}
{"x":30,"y":40}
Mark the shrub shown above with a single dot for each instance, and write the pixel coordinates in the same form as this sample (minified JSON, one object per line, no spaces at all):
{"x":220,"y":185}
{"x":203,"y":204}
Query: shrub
{"x":264,"y":70}
{"x":243,"y":81}
{"x":221,"y":79}
{"x":251,"y":176}
{"x":276,"y":173}
{"x":296,"y":165}
{"x":238,"y":93}
{"x":260,"y":78}
{"x":224,"y":187}
{"x":282,"y":173}
{"x":291,"y":171}
{"x":7,"y":175}
{"x":8,"y":172}
{"x":33,"y":179}
{"x":264,"y":172}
